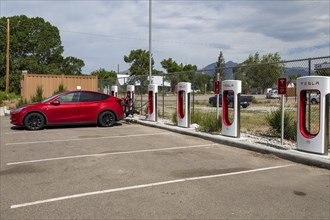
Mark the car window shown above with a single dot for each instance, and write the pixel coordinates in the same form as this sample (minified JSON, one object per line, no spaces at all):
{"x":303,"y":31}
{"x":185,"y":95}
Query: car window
{"x":91,"y":96}
{"x":71,"y":97}
{"x":104,"y":96}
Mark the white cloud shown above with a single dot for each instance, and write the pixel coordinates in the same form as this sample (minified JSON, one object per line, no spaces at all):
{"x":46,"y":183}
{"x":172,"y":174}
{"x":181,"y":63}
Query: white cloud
{"x":102,"y":32}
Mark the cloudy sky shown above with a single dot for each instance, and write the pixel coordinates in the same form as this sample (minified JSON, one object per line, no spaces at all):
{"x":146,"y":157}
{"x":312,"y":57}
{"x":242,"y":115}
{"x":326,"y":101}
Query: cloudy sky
{"x":188,"y":31}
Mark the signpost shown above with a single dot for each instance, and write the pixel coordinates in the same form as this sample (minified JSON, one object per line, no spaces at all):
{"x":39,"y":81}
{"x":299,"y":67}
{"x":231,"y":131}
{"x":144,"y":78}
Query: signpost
{"x":281,"y":87}
{"x":216,"y":87}
{"x":217,"y":92}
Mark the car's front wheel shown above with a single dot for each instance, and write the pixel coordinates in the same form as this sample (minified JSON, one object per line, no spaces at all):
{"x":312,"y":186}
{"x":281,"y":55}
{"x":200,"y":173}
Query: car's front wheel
{"x":34,"y":121}
{"x":107,"y":119}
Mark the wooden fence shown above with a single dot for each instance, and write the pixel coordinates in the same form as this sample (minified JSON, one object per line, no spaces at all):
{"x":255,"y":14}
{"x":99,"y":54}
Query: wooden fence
{"x":51,"y":83}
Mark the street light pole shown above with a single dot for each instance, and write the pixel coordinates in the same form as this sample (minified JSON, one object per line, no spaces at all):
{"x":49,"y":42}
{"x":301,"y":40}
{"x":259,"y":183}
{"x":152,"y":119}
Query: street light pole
{"x":7,"y":57}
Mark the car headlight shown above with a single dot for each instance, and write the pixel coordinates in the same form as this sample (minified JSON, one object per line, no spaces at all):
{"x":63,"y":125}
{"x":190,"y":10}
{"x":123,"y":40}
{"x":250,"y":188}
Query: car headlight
{"x":18,"y":110}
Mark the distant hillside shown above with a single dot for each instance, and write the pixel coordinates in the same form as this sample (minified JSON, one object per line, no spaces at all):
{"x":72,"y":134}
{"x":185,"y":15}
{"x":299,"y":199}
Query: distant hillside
{"x":296,"y":71}
{"x":209,"y":70}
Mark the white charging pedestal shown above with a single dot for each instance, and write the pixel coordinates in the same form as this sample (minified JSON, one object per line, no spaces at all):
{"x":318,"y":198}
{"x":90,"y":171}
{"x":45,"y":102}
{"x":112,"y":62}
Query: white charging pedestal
{"x":313,"y":114}
{"x":183,"y":104}
{"x":130,"y":91}
{"x":152,"y":102}
{"x":114,"y":91}
{"x":231,"y":90}
{"x":130,"y":95}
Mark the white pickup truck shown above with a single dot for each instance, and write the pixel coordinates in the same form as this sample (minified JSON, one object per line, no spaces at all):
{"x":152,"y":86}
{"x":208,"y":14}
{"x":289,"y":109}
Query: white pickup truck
{"x":272,"y":94}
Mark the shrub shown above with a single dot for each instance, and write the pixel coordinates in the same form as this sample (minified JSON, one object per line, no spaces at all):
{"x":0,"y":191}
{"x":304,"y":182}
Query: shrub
{"x":290,"y":124}
{"x":21,"y":102}
{"x":3,"y":97}
{"x":60,"y":89}
{"x":254,"y":100}
{"x":206,"y":121}
{"x":174,"y":118}
{"x":38,"y":96}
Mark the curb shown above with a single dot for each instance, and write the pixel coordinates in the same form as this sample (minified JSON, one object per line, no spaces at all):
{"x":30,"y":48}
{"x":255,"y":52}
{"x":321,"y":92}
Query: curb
{"x":292,"y":155}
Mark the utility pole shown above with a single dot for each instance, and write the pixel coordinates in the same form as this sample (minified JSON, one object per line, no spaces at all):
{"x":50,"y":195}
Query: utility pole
{"x":7,"y":57}
{"x":150,"y":53}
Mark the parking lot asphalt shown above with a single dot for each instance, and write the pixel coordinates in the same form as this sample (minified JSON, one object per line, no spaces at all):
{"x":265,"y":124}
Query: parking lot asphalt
{"x":131,"y":171}
{"x":278,"y":150}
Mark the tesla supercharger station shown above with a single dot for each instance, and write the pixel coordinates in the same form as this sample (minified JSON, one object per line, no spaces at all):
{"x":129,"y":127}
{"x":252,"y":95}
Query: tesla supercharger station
{"x":152,"y":102}
{"x":232,"y":89}
{"x":114,"y":91}
{"x":313,"y":119}
{"x":130,"y":98}
{"x":183,"y":104}
{"x":130,"y":91}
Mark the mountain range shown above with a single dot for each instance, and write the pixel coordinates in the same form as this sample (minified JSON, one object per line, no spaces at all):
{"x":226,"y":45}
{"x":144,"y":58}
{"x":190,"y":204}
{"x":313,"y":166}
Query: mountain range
{"x":210,"y":69}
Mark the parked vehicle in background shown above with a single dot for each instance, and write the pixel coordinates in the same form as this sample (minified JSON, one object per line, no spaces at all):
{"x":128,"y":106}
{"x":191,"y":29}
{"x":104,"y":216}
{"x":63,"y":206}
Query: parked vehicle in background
{"x":268,"y":93}
{"x":73,"y":107}
{"x":245,"y":101}
{"x":272,"y":94}
{"x":315,"y":98}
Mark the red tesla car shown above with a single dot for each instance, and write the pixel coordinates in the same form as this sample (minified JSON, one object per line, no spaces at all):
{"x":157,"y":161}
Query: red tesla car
{"x":71,"y":107}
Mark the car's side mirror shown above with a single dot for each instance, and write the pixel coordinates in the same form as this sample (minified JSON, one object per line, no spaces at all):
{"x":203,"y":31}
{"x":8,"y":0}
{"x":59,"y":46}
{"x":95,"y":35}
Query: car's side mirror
{"x":55,"y":102}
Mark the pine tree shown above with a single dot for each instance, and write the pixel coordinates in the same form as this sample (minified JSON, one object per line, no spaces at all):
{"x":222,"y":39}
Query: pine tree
{"x":220,"y":67}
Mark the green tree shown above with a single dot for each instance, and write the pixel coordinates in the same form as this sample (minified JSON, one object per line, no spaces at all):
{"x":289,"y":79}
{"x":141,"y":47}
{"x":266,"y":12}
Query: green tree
{"x":35,"y":46}
{"x":171,"y":66}
{"x":106,"y":78}
{"x":220,"y":67}
{"x":139,"y":66}
{"x":202,"y":82}
{"x":72,"y":66}
{"x":259,"y":71}
{"x":178,"y":72}
{"x":139,"y":61}
{"x":104,"y":74}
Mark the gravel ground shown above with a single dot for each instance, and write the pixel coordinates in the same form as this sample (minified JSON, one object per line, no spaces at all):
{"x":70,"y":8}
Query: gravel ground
{"x":269,"y":141}
{"x":258,"y":139}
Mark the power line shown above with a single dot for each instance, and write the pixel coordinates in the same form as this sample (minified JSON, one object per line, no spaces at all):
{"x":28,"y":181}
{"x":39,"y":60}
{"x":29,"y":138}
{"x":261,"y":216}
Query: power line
{"x":141,"y":39}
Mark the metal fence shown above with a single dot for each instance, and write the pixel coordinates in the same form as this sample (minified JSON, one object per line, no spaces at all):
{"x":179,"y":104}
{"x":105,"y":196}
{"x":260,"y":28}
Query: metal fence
{"x":256,"y":79}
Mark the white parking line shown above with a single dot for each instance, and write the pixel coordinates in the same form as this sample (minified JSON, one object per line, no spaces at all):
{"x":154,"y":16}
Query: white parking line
{"x":92,"y":138}
{"x":144,"y":186}
{"x":114,"y":153}
{"x":74,"y":129}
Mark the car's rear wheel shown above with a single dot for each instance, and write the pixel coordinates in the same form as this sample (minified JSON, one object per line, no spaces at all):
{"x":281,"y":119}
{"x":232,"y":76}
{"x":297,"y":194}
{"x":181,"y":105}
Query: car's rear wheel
{"x":107,"y":119}
{"x":34,"y":121}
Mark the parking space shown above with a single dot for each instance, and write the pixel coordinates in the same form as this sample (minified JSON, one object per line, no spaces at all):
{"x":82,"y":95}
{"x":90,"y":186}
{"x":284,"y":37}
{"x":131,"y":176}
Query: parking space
{"x":136,"y":172}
